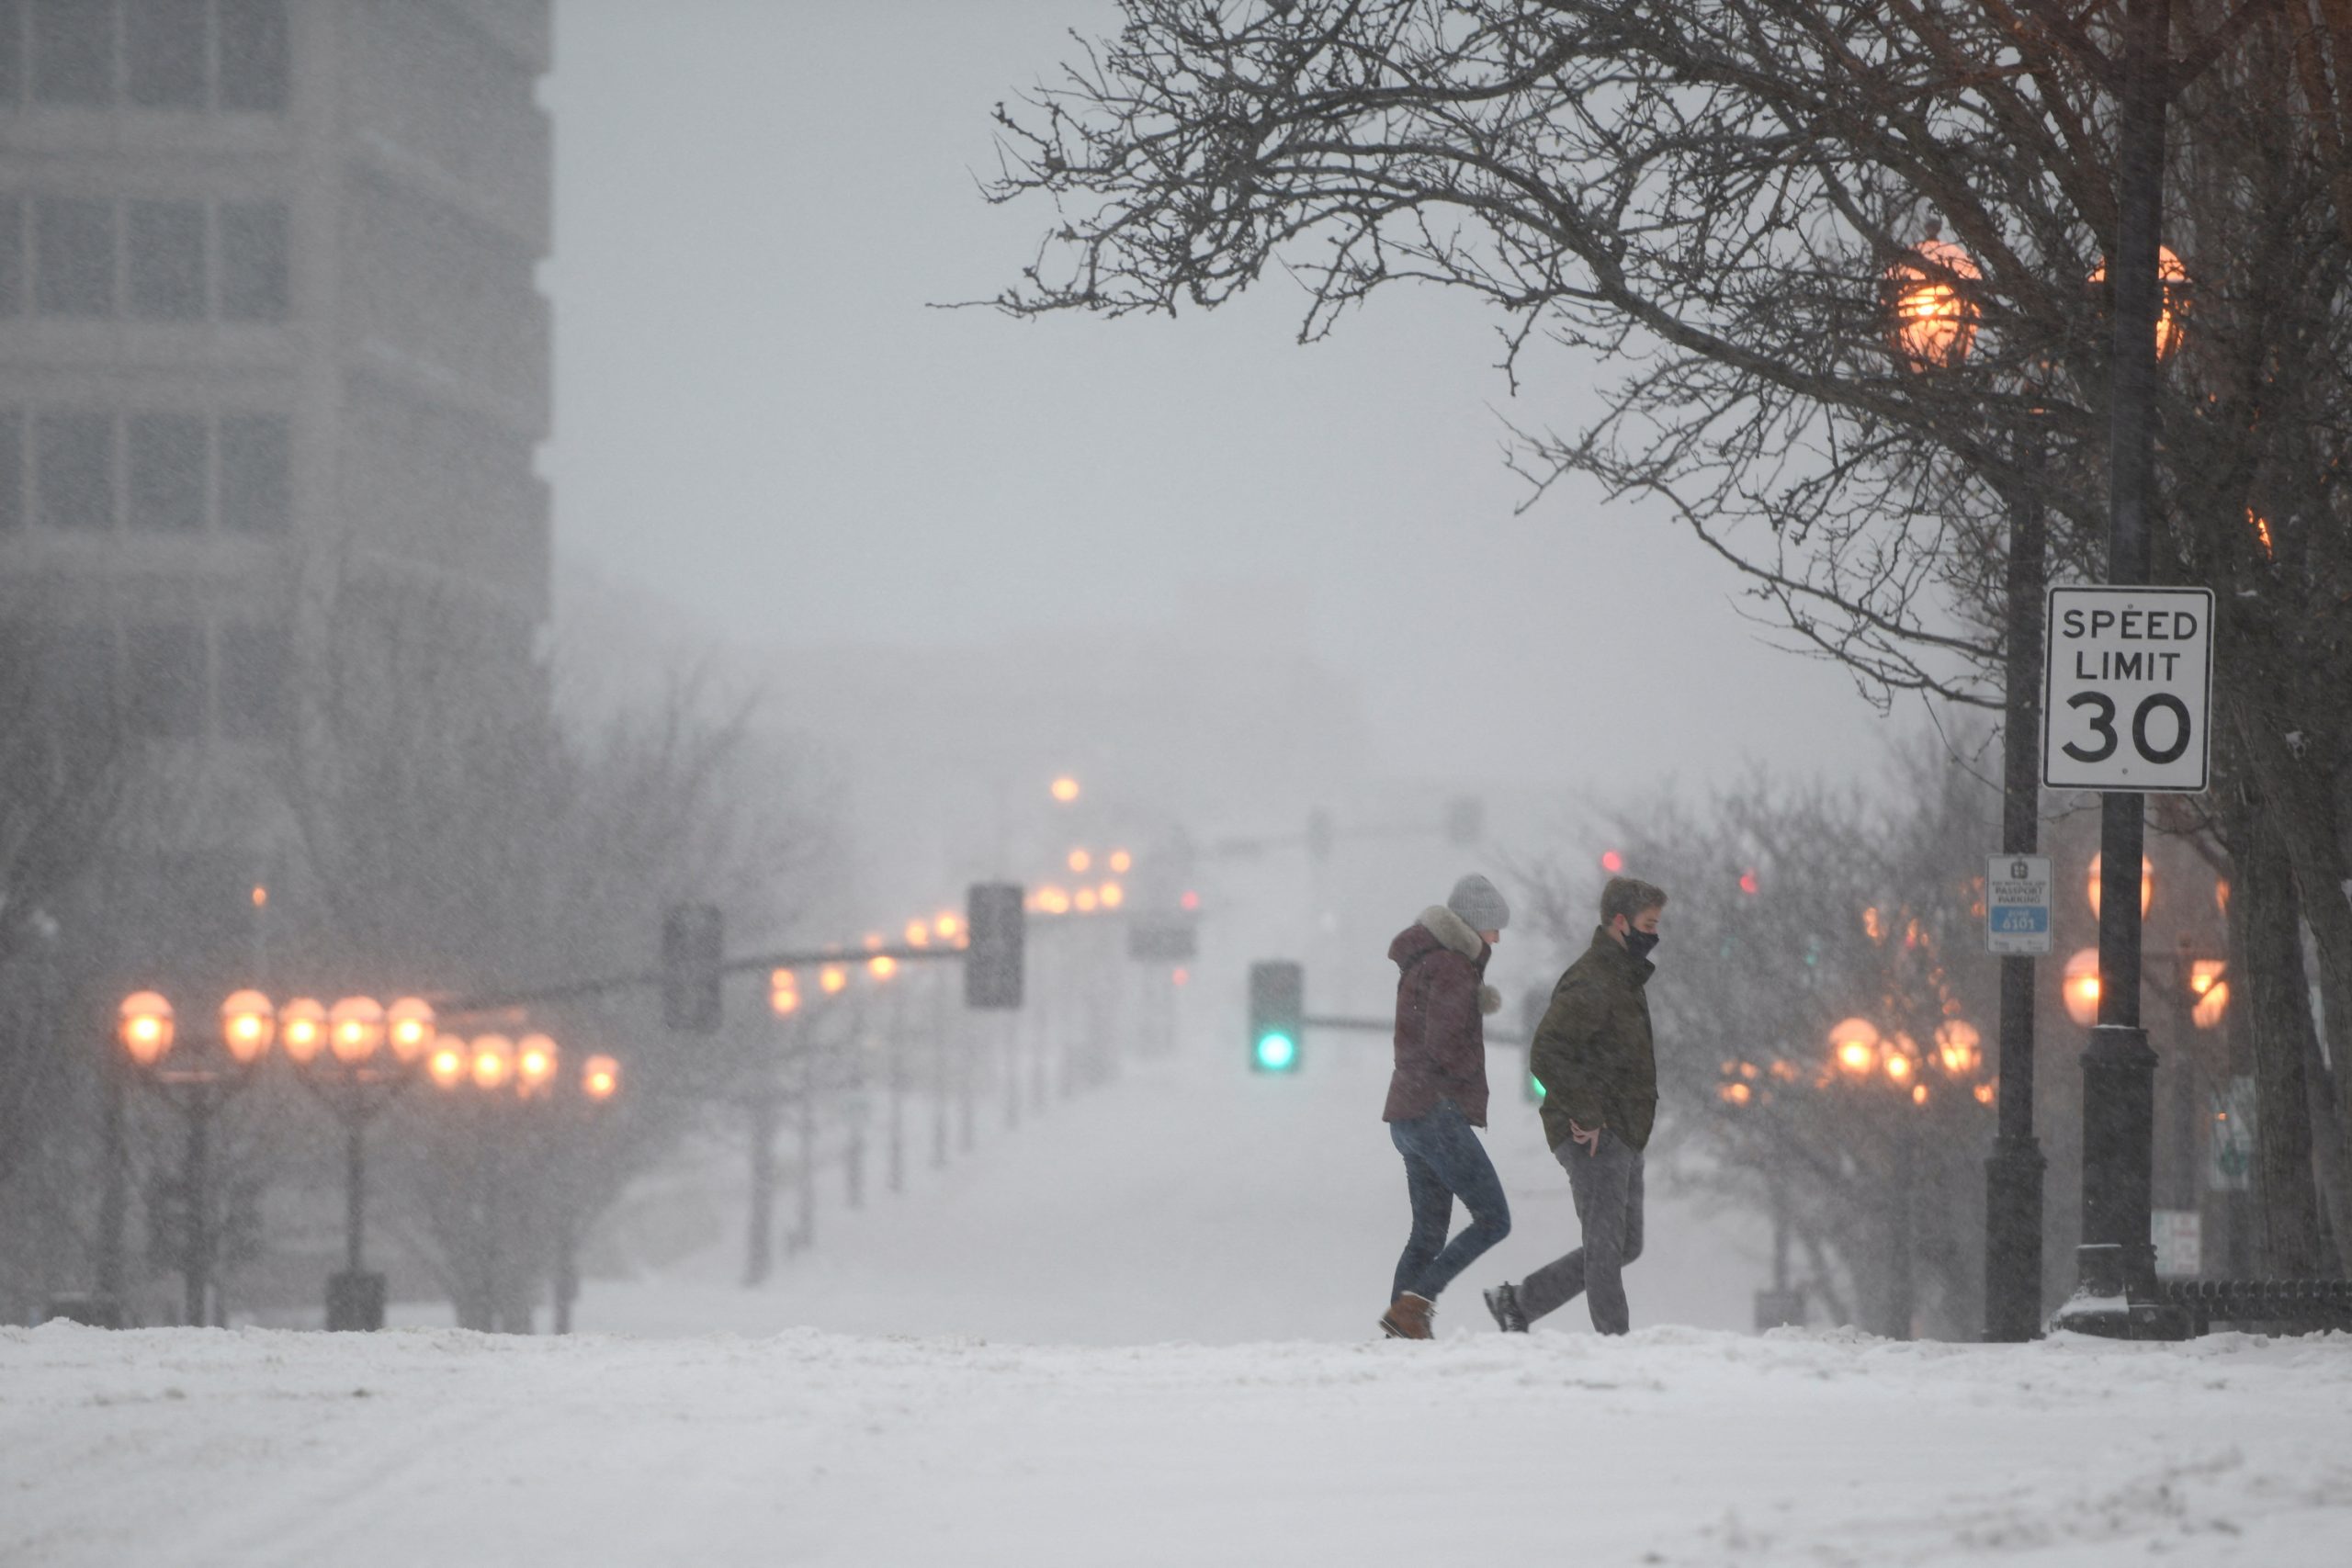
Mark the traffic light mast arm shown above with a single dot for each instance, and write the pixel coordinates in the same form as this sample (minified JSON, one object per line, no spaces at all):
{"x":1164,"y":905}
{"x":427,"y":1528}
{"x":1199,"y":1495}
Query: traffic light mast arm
{"x":599,"y":984}
{"x":1366,"y":1025}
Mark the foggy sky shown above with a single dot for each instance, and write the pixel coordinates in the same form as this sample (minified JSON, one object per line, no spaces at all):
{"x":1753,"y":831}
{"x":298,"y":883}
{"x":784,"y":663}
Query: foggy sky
{"x":759,"y":420}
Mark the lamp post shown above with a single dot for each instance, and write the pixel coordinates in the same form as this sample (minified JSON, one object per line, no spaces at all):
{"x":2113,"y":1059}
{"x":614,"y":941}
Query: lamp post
{"x":197,"y":1087}
{"x":1932,"y":326}
{"x":338,"y":1053}
{"x":2115,"y":1290}
{"x":523,"y":1076}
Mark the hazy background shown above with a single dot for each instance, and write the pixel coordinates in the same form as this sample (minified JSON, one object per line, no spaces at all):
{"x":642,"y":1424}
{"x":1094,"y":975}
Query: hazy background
{"x":761,"y":423}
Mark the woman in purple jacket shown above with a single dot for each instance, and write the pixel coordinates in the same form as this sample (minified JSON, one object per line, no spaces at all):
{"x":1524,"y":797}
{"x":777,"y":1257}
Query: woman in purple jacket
{"x":1438,"y":1093}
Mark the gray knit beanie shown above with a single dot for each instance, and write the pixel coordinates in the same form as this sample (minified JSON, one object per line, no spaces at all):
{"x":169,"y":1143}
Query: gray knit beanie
{"x":1479,"y":904}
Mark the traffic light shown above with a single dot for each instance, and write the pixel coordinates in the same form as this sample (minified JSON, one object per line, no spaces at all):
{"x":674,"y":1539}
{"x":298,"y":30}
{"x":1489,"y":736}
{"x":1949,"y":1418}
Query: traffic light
{"x":1531,"y":1008}
{"x":1277,"y":1016}
{"x":995,"y":939}
{"x":693,"y":953}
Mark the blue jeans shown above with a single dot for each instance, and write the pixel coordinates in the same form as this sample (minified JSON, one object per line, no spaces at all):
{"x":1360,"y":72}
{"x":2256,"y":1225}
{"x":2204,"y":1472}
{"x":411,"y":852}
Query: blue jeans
{"x":1444,"y":1160}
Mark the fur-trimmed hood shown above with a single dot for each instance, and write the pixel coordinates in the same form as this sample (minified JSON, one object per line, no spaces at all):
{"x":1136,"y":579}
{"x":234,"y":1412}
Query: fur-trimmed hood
{"x":1455,"y":933}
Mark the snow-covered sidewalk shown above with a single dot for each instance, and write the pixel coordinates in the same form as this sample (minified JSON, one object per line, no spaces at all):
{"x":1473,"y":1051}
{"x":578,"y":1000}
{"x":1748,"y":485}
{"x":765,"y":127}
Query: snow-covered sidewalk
{"x":1676,"y":1446}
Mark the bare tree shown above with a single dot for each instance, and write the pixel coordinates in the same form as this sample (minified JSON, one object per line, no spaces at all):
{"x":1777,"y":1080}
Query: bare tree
{"x":1714,"y":199}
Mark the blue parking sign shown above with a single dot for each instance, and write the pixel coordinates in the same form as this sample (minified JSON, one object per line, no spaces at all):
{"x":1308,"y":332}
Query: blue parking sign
{"x":2017,"y":906}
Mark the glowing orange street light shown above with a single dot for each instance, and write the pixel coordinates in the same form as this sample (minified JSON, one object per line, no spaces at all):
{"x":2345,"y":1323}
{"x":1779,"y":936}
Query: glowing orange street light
{"x":1120,"y":863}
{"x":2080,"y":987}
{"x":261,"y":897}
{"x":145,"y":1027}
{"x":1085,"y":900}
{"x":2171,"y":320}
{"x":2147,"y":883}
{"x":302,"y":1028}
{"x":408,"y":1025}
{"x":918,"y":934}
{"x":1736,"y":1093}
{"x":1986,"y":1093}
{"x":2212,"y":992}
{"x":832,"y":979}
{"x":494,"y":1061}
{"x":882,"y":966}
{"x":535,"y":1058}
{"x":355,"y":1027}
{"x":948,"y":926}
{"x":1918,"y":1094}
{"x":600,"y":1078}
{"x":1960,"y":1048}
{"x":1081,"y":862}
{"x":248,"y":1023}
{"x":1053,"y":901}
{"x":1854,"y":1044}
{"x":1112,"y":896}
{"x":784,"y":992}
{"x":1899,"y":1062}
{"x":447,"y":1066}
{"x":1931,"y":320}
{"x":1065,"y":789}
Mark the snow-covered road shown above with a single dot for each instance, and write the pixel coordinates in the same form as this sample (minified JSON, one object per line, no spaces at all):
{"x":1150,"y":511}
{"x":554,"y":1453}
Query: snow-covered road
{"x":257,"y":1449}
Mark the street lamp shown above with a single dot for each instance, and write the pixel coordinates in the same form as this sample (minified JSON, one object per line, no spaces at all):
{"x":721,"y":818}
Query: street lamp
{"x":2081,"y":987}
{"x":351,"y":1079}
{"x":1854,"y":1045}
{"x":1932,"y":320}
{"x":1929,"y":304}
{"x":197,"y":1087}
{"x":2147,"y":882}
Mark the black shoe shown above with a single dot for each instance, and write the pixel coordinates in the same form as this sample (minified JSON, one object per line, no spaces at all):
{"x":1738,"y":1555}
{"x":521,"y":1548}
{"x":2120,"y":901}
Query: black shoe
{"x":1503,"y":1301}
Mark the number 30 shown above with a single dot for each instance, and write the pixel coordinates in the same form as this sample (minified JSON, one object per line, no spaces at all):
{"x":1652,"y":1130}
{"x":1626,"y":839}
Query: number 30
{"x":2103,"y":726}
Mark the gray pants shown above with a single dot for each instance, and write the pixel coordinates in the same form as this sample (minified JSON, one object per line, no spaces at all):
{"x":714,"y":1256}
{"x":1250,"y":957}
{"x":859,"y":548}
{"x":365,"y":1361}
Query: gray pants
{"x":1608,"y":1190}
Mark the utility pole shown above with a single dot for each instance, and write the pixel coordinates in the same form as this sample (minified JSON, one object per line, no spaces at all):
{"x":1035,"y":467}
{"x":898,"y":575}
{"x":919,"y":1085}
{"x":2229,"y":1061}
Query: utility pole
{"x":2013,"y":1170}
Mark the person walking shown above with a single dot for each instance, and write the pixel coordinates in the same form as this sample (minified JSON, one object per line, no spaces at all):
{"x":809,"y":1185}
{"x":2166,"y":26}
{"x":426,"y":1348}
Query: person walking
{"x":1592,"y":1054}
{"x":1438,"y":1094}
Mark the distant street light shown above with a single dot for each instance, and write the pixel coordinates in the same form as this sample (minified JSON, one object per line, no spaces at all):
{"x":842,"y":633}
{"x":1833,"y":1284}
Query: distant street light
{"x":195,"y":1086}
{"x":354,"y":1083}
{"x":1065,"y":789}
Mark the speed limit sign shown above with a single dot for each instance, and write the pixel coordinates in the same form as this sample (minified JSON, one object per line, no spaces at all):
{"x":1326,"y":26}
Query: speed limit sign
{"x":2127,"y":689}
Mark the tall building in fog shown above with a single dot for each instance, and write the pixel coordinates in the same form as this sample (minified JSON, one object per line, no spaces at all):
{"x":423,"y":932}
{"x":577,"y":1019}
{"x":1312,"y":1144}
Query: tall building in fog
{"x":273,"y":359}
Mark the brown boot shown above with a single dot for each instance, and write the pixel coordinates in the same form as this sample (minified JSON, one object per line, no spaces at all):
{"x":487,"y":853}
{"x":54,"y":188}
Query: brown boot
{"x":1408,"y":1318}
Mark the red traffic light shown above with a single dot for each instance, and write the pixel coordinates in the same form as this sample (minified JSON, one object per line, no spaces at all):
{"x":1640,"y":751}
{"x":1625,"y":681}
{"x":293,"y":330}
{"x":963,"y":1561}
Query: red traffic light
{"x":1748,"y":882}
{"x":1611,"y":862}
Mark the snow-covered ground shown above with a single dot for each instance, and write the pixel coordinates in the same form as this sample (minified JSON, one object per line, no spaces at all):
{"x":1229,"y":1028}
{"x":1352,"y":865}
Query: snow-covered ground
{"x":1190,"y":1201}
{"x":259,"y":1448}
{"x":1139,"y":1331}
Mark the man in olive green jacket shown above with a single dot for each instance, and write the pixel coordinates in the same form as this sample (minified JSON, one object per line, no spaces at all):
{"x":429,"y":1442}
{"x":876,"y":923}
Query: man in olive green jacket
{"x":1592,"y":1055}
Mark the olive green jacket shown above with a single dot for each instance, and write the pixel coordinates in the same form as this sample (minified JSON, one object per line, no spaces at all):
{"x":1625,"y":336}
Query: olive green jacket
{"x":1592,"y":1051}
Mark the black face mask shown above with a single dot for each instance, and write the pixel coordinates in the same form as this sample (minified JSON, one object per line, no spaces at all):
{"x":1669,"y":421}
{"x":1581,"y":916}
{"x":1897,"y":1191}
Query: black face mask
{"x":1639,"y":942}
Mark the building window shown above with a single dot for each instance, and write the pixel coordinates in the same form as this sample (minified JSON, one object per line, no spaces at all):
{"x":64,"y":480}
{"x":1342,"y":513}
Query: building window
{"x":12,"y":53}
{"x":12,"y":256}
{"x":166,"y":455}
{"x":74,"y":52}
{"x":251,"y":696}
{"x":166,"y":260}
{"x":72,"y":257}
{"x":256,"y":473}
{"x":255,"y":58}
{"x":254,"y":271}
{"x":73,"y":469}
{"x":165,"y":684}
{"x":163,"y":54}
{"x":12,"y":471}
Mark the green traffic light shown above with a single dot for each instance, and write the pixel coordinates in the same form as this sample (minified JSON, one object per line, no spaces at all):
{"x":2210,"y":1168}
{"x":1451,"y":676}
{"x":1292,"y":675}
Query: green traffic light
{"x":1535,"y":1085}
{"x":1276,"y":1053}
